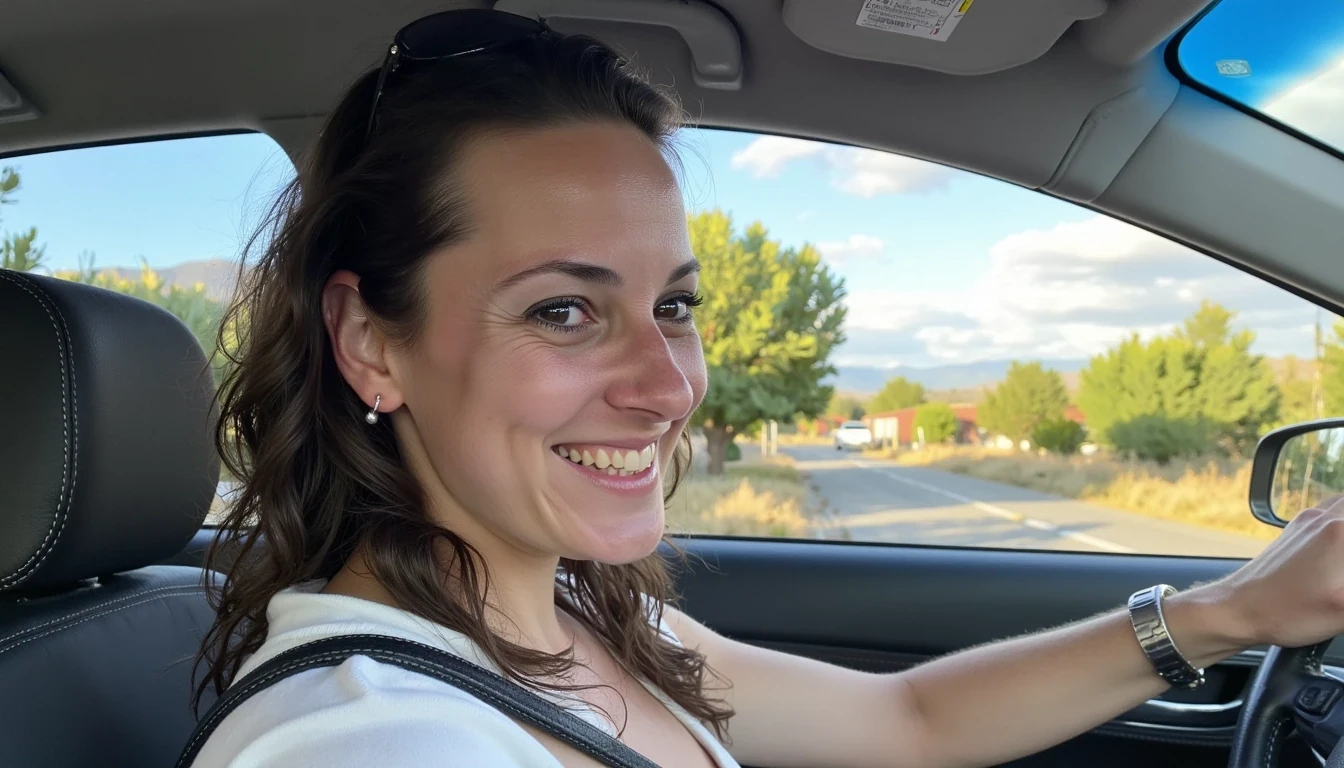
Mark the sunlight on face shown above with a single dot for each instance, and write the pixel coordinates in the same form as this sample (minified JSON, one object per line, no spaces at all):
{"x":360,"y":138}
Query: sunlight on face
{"x":559,"y":362}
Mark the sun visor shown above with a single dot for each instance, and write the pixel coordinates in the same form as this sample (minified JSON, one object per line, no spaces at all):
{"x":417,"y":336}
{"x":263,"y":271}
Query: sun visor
{"x":716,"y":49}
{"x":13,"y":106}
{"x":960,"y":37}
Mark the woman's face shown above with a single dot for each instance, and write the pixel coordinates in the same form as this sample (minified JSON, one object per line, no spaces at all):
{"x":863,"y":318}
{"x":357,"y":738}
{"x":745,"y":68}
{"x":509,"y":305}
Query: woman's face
{"x":560,"y":361}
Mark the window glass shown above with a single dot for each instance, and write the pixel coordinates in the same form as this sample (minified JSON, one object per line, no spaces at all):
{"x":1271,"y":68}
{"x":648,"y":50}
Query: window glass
{"x":949,"y":360}
{"x":161,"y":220}
{"x":1023,"y":372}
{"x":1284,"y":61}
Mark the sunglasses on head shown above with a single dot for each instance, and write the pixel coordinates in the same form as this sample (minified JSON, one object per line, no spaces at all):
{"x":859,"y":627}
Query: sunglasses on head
{"x":447,"y":35}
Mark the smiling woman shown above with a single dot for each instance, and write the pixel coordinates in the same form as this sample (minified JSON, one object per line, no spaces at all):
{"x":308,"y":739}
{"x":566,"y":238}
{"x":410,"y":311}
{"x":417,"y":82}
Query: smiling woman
{"x":468,"y":357}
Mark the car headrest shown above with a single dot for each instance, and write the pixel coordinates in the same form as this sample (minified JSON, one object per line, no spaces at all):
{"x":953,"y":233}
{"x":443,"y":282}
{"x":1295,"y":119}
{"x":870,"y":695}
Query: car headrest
{"x":106,"y":458}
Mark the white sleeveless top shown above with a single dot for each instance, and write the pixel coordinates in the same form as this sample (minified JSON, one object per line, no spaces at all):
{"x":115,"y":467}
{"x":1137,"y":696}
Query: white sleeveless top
{"x":366,"y":713}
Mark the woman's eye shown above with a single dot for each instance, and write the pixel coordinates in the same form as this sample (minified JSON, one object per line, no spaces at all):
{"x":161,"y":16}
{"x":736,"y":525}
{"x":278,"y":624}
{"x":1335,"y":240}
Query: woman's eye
{"x":566,"y":315}
{"x":677,"y":309}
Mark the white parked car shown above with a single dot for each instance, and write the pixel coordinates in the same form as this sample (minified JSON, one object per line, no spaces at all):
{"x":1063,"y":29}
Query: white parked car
{"x":853,"y":435}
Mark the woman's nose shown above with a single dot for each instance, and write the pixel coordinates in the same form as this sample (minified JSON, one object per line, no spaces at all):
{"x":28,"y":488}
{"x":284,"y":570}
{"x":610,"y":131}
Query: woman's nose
{"x":650,"y":377}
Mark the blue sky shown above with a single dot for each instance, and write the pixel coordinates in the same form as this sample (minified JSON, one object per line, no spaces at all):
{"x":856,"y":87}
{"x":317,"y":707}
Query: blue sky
{"x":942,"y":266}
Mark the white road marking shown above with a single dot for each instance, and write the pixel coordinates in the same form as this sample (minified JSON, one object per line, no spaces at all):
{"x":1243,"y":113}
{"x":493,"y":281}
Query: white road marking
{"x":997,"y":511}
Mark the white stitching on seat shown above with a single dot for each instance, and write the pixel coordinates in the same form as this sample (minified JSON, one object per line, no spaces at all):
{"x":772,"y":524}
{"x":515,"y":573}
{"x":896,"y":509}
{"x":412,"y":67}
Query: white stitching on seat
{"x":66,"y":500}
{"x":185,"y":591}
{"x":91,"y":608}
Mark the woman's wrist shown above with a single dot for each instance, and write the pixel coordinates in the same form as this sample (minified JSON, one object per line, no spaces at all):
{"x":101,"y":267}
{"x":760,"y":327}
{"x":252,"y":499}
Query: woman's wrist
{"x":1205,"y":624}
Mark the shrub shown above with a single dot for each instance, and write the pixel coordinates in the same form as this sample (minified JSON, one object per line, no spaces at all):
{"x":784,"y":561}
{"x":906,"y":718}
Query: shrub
{"x":734,"y":452}
{"x":1059,"y":436}
{"x":1162,"y":438}
{"x":938,"y":421}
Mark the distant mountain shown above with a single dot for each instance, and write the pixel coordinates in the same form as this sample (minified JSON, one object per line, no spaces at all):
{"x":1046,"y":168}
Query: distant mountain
{"x":217,"y":275}
{"x":863,"y":380}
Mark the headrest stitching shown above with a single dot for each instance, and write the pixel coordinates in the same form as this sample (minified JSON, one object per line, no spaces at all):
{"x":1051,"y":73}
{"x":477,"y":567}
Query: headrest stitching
{"x":65,"y":500}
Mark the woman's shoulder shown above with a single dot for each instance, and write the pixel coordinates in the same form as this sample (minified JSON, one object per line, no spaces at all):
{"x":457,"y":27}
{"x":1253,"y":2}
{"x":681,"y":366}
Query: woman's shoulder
{"x":364,"y":713}
{"x":361,"y":712}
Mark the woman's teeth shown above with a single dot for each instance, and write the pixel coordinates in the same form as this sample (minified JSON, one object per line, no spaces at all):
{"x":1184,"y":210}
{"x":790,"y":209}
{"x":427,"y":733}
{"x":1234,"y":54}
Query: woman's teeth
{"x":614,"y":461}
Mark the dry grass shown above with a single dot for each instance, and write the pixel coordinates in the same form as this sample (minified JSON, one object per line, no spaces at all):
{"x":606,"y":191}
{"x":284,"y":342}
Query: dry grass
{"x":765,"y":498}
{"x":798,"y":438}
{"x":1209,"y":493}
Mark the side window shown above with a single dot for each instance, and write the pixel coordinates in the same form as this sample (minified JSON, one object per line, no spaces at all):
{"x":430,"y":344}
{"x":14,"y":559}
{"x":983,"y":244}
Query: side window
{"x":161,"y":220}
{"x":953,"y":360}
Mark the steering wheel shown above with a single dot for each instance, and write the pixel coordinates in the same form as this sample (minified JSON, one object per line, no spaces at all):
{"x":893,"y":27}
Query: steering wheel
{"x":1290,"y":688}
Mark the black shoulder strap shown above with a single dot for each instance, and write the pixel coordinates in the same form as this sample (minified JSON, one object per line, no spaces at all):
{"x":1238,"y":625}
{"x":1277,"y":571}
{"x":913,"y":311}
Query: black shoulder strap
{"x":495,"y":690}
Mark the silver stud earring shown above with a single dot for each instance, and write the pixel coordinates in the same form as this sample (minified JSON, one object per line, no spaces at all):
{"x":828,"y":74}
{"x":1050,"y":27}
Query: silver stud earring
{"x":372,"y":416}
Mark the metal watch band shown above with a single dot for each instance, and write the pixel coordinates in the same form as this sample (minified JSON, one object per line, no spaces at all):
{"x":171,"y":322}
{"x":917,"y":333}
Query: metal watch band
{"x":1145,"y":613}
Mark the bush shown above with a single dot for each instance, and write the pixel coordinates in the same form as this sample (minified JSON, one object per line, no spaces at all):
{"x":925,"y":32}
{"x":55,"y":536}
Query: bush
{"x":733,"y":453}
{"x":938,"y":421}
{"x":1162,"y":438}
{"x":1059,"y":436}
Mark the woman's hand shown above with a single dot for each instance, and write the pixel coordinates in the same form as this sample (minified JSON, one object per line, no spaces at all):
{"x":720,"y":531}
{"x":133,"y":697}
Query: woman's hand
{"x":1292,"y":593}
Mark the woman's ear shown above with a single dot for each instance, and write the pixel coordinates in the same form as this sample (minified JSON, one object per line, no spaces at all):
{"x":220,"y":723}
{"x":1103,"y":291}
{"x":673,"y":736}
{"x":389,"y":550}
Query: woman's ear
{"x":359,"y":347}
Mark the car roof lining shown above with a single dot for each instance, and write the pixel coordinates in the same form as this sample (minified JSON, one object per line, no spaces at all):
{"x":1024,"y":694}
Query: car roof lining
{"x":1125,"y":138}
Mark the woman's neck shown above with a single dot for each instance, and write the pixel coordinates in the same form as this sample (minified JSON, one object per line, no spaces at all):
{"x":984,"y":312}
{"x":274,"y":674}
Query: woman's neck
{"x":520,"y":604}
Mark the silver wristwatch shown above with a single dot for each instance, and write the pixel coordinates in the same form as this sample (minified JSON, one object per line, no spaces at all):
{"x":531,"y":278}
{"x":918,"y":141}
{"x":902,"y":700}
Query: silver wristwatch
{"x":1145,"y":612}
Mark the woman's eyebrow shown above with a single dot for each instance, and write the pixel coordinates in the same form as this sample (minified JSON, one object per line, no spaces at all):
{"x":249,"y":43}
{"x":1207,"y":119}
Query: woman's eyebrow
{"x":589,"y":273}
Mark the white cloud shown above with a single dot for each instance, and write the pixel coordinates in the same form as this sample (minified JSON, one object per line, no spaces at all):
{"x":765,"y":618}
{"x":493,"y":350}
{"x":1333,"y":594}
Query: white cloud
{"x":869,"y":173}
{"x":1314,"y":106}
{"x":1070,"y":291}
{"x":767,"y":155}
{"x":859,"y":172}
{"x":855,"y":247}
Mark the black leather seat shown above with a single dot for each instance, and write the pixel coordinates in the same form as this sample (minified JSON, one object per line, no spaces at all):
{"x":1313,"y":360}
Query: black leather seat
{"x":106,"y":468}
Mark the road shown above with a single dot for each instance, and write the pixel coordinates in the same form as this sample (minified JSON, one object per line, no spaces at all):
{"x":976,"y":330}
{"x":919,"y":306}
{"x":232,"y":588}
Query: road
{"x":879,"y":500}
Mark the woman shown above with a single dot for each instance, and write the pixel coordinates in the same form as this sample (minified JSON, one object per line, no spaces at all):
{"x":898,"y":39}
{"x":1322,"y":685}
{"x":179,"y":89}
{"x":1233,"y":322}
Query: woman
{"x":467,"y":358}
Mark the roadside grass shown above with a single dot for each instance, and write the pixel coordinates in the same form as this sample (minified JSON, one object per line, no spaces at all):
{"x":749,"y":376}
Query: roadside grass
{"x":1209,"y":493}
{"x":766,"y":497}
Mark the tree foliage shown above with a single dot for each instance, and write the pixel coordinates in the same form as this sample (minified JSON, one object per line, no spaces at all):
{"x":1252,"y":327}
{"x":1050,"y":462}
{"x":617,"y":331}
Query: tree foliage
{"x":771,"y":317}
{"x":18,"y":252}
{"x":896,"y":394}
{"x":1195,"y":391}
{"x":1332,"y":372}
{"x":846,"y":406}
{"x":1029,"y":395}
{"x":938,"y":421}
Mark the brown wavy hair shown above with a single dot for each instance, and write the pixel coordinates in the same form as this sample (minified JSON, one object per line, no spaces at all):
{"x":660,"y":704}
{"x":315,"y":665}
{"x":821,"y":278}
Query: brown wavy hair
{"x":316,"y":480}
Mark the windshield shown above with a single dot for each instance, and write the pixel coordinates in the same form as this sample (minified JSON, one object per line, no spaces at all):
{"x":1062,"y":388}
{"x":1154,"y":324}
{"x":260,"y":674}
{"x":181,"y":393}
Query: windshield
{"x":1284,"y":61}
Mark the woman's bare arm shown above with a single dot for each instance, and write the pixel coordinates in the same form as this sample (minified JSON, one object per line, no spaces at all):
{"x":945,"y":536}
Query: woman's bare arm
{"x":1012,"y":698}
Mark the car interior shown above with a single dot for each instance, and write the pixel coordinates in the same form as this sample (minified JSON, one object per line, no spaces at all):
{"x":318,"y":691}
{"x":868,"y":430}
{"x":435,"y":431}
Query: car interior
{"x":109,"y":465}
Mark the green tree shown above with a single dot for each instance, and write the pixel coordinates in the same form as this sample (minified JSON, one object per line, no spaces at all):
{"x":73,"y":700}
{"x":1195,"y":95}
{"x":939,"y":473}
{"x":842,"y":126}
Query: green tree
{"x":1027,"y":396}
{"x":1201,"y":382}
{"x":17,"y":252}
{"x":938,"y":421}
{"x":846,"y":406}
{"x":896,"y":394}
{"x":1297,"y":390}
{"x":1332,"y":372}
{"x":771,"y":318}
{"x":1059,"y":435}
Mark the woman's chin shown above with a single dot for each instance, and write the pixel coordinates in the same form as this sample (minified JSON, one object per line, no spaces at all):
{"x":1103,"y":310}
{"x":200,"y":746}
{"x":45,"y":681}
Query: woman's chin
{"x":623,"y":541}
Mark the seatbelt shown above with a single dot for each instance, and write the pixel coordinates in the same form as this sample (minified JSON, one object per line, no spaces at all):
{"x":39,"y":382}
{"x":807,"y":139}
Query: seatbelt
{"x":503,"y":694}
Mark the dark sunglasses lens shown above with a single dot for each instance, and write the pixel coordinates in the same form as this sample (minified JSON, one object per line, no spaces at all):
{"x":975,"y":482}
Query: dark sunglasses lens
{"x":453,"y":32}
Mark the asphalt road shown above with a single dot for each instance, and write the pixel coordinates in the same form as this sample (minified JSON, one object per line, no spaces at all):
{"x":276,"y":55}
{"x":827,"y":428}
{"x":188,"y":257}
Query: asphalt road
{"x":881,"y":501}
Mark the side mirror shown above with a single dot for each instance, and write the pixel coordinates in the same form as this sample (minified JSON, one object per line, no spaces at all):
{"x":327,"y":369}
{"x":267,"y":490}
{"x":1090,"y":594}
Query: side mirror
{"x":1297,"y":467}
